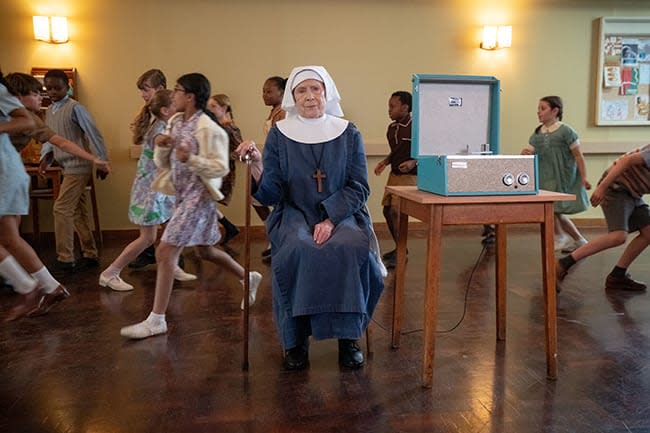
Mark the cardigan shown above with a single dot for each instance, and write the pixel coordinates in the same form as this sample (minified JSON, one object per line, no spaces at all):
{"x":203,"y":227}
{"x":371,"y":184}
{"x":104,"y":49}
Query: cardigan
{"x":211,"y":164}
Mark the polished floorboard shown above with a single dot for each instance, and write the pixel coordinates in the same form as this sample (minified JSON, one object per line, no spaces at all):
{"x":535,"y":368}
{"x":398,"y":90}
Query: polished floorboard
{"x":70,"y":371}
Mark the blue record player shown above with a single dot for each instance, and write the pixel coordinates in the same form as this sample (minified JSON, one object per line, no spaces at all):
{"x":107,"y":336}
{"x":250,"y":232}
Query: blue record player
{"x":455,"y":139}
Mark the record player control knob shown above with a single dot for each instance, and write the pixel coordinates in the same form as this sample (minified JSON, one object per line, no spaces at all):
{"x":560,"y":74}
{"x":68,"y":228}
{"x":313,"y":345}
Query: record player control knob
{"x":508,"y":179}
{"x":523,"y":178}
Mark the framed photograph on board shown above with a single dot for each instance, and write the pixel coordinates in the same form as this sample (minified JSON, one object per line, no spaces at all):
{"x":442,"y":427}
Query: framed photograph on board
{"x":623,"y":78}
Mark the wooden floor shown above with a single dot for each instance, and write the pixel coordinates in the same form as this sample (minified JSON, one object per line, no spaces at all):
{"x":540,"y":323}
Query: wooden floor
{"x":71,"y":371}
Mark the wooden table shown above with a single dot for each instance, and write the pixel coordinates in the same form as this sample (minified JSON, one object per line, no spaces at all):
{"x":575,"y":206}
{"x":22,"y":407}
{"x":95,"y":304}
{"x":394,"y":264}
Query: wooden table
{"x":436,"y":211}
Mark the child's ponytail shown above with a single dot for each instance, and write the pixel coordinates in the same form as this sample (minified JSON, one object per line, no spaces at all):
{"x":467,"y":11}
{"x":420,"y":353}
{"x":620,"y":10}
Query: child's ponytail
{"x":141,"y":124}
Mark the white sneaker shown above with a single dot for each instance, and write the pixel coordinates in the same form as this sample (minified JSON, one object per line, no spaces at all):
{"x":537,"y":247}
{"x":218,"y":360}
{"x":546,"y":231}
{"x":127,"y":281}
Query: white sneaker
{"x":254,"y":278}
{"x":574,"y":246}
{"x":143,"y":330}
{"x":115,"y":283}
{"x":562,"y":242}
{"x":181,"y":275}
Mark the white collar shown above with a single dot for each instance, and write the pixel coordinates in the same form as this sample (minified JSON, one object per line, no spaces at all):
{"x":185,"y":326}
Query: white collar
{"x":312,"y":131}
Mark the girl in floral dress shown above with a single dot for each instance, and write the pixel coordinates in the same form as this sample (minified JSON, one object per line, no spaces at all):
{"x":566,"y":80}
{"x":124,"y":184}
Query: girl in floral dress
{"x":147,"y":208}
{"x":148,"y":84}
{"x":193,"y":158}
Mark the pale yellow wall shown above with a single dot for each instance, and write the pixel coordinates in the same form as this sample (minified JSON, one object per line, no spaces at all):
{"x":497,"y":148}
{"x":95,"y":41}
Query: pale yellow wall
{"x":371,"y":47}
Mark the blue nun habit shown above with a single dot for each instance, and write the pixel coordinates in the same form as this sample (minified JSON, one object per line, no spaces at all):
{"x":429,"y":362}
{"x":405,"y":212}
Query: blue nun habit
{"x":334,"y":286}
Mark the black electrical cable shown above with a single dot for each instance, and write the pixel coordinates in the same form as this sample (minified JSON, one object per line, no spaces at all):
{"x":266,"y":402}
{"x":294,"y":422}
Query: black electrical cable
{"x":469,"y":281}
{"x":462,"y":317}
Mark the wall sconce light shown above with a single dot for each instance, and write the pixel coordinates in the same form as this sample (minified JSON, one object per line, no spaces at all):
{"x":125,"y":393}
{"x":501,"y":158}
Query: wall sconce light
{"x":51,"y":29}
{"x":495,"y":37}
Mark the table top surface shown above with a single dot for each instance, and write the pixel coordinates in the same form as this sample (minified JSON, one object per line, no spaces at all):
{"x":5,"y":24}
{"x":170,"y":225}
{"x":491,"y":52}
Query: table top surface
{"x":424,"y":197}
{"x":33,"y":169}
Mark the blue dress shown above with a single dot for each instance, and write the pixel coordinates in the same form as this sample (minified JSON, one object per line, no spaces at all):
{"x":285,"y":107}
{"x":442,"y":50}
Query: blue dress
{"x":333,"y":287}
{"x":14,"y":181}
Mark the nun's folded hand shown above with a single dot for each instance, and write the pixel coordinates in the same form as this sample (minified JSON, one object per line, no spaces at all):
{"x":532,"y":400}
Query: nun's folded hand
{"x":323,"y":231}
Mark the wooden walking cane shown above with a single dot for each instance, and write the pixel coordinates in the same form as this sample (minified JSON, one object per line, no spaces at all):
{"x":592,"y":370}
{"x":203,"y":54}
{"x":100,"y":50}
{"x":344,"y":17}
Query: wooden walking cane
{"x":247,"y":256}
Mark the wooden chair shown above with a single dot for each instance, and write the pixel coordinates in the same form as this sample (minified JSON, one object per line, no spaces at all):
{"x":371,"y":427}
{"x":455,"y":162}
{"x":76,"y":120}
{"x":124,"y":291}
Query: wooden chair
{"x":38,"y":191}
{"x":50,"y":191}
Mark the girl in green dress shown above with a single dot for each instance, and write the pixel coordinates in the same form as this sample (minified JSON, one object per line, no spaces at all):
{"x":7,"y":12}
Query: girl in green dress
{"x":561,"y":168}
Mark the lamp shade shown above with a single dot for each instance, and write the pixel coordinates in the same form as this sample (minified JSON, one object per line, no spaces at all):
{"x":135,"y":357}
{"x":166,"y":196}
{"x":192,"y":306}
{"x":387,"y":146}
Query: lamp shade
{"x":504,"y":36}
{"x":41,"y":28}
{"x":51,"y":29}
{"x":59,"y":29}
{"x":489,"y":41}
{"x":495,"y":37}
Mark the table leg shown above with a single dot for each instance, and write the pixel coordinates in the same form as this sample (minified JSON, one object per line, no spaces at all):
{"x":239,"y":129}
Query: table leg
{"x":548,"y":270}
{"x":550,"y":300}
{"x":400,"y":272}
{"x":501,"y":278}
{"x":431,"y":287}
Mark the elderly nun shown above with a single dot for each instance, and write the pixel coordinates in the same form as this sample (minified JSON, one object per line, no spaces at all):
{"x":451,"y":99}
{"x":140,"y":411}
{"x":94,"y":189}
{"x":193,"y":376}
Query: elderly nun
{"x":327,"y":276}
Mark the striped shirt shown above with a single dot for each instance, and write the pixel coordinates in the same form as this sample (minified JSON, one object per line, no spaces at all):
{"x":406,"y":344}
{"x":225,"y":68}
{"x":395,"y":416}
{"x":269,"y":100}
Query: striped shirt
{"x":636,"y":178}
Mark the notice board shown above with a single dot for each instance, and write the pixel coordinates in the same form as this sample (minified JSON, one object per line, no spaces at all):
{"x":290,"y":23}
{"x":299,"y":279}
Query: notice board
{"x":623,"y":78}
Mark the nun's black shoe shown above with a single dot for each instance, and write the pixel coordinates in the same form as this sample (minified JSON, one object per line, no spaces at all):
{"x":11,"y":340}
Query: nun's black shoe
{"x":350,"y":354}
{"x":296,"y":359}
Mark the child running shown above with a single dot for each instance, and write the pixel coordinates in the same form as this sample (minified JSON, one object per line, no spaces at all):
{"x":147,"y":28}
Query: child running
{"x":219,"y":105}
{"x":561,"y":168}
{"x":148,"y":84}
{"x":620,"y":194}
{"x":147,"y":208}
{"x":193,"y":158}
{"x":19,"y":263}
